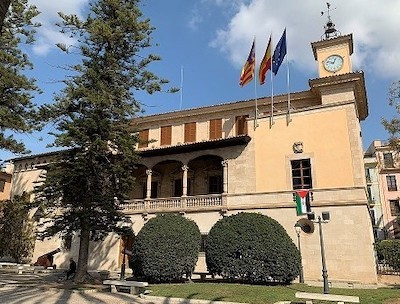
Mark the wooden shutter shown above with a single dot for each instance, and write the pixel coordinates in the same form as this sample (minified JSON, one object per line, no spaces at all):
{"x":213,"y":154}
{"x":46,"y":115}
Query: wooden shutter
{"x":166,"y":135}
{"x":143,"y":138}
{"x":190,"y":132}
{"x":241,"y":125}
{"x":215,"y":128}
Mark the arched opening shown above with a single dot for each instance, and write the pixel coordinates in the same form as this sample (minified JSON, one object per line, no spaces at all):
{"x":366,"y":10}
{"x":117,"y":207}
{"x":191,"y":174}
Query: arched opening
{"x":207,"y":176}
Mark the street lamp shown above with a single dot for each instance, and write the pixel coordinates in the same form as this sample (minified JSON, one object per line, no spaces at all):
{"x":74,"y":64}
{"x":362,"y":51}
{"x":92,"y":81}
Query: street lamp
{"x":123,"y":266}
{"x":297,"y":227}
{"x":125,"y":233}
{"x":324,"y":219}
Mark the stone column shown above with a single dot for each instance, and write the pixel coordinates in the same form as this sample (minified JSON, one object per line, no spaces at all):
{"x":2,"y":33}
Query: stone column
{"x":148,"y":183}
{"x":185,"y":169}
{"x":225,"y":176}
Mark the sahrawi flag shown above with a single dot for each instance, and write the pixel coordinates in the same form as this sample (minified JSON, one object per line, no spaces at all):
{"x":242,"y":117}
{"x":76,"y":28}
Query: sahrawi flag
{"x":302,"y":202}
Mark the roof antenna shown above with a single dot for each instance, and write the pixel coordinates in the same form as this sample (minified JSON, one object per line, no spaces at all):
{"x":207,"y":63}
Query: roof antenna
{"x":330,"y":31}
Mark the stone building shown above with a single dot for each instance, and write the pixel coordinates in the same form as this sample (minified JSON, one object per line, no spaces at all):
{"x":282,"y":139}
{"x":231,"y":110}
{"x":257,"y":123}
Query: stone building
{"x":209,"y":162}
{"x":382,"y":174}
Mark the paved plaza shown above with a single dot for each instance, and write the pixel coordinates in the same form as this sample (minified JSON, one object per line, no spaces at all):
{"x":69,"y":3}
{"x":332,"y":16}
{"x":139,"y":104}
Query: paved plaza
{"x":48,"y":289}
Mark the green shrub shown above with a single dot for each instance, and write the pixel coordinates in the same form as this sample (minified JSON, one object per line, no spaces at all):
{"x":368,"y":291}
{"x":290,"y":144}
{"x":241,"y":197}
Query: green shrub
{"x":166,"y":249}
{"x":252,"y":248}
{"x":388,"y":252}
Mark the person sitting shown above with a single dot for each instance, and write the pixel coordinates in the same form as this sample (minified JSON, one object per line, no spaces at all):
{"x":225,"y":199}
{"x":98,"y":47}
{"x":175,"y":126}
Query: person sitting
{"x":72,"y":268}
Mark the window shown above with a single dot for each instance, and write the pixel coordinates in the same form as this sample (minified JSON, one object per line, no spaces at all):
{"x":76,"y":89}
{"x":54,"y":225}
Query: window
{"x":166,"y":135}
{"x":388,"y":160}
{"x":203,"y":243}
{"x":368,"y":175}
{"x":215,"y":184}
{"x":241,"y":124}
{"x":143,"y":138}
{"x":394,"y":207}
{"x":371,"y":199}
{"x":190,"y":132}
{"x":215,"y":128}
{"x":372,"y":214}
{"x":178,"y":186}
{"x":2,"y":185}
{"x":391,"y":182}
{"x":154,"y":189}
{"x":67,"y":242}
{"x":301,"y":174}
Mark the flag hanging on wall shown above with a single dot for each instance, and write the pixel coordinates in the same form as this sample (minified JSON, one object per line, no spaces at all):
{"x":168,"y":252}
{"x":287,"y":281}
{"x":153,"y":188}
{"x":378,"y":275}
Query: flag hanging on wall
{"x":265,"y":64}
{"x":302,"y":202}
{"x":248,"y":68}
{"x":279,"y":53}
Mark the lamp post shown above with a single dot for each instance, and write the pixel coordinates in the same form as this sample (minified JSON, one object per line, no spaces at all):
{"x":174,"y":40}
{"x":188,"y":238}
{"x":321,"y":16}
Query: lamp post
{"x":125,"y":232}
{"x":297,"y":227}
{"x":324,"y":219}
{"x":123,"y":266}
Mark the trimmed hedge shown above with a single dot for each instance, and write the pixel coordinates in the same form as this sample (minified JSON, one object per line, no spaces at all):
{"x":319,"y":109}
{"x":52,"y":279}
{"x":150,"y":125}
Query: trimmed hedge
{"x":252,"y":248}
{"x":166,"y":249}
{"x":388,"y":252}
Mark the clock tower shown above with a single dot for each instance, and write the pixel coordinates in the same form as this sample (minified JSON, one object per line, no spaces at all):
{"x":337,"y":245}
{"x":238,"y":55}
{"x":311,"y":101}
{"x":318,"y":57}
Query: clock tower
{"x":333,"y":52}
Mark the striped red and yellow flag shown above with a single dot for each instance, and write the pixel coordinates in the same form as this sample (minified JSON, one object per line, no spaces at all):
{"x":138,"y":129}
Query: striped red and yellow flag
{"x":249,"y":67}
{"x":265,"y":64}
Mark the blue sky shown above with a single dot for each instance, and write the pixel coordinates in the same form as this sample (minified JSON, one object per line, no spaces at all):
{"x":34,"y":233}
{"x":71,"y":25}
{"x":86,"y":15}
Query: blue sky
{"x":211,"y":40}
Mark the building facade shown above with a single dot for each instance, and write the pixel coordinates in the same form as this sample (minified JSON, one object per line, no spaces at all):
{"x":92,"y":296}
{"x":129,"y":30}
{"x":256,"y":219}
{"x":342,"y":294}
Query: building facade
{"x":383,"y":187}
{"x":372,"y":178}
{"x":5,"y":185}
{"x":210,"y":162}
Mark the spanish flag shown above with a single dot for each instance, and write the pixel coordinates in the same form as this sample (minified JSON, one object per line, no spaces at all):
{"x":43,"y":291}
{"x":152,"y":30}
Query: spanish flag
{"x":265,"y":64}
{"x":249,"y":67}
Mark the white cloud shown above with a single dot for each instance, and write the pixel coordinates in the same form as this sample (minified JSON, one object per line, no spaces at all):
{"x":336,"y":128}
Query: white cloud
{"x":48,"y":34}
{"x":374,"y":25}
{"x":195,"y":19}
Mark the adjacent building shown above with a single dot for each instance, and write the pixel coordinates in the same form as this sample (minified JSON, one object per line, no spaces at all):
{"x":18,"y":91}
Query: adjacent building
{"x":382,"y":170}
{"x":249,"y":156}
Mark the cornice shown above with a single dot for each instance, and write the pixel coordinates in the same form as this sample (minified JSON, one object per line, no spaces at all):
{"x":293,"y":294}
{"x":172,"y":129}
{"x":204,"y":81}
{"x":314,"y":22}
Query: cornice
{"x":356,"y":79}
{"x":332,"y":42}
{"x":239,"y":106}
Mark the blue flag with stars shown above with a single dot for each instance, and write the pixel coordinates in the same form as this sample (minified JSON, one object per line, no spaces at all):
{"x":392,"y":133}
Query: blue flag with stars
{"x":279,"y":53}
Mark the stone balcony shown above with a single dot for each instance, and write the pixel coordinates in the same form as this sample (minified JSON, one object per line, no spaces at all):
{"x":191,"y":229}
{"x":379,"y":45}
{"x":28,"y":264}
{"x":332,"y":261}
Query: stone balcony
{"x":223,"y":202}
{"x":175,"y":204}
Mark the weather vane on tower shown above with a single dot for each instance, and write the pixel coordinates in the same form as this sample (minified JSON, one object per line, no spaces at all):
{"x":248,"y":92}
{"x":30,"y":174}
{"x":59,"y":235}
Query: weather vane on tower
{"x":330,"y":31}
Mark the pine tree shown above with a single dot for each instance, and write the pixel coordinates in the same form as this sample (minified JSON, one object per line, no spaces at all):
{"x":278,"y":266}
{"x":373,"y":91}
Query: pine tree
{"x":16,"y":89}
{"x":94,"y":171}
{"x":16,"y":238}
{"x":4,"y":5}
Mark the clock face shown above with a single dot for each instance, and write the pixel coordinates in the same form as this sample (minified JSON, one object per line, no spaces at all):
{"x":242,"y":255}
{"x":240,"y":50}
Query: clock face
{"x":333,"y":63}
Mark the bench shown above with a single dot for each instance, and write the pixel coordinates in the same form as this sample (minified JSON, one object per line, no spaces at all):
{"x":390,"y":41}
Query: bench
{"x":202,"y":274}
{"x":135,"y":287}
{"x":340,"y":299}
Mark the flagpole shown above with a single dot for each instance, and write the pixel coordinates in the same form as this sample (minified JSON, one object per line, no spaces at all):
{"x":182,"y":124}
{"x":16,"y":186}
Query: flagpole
{"x":256,"y":111}
{"x":288,"y":119}
{"x":271,"y":121}
{"x":181,"y":90}
{"x":255,"y":88}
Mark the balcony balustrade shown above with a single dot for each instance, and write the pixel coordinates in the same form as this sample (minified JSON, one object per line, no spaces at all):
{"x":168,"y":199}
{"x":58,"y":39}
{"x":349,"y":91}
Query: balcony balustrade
{"x":210,"y":201}
{"x":219,"y":202}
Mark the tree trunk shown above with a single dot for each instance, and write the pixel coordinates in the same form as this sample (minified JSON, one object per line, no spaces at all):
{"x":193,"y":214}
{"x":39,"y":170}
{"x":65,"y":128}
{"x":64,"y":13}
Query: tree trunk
{"x":82,"y":267}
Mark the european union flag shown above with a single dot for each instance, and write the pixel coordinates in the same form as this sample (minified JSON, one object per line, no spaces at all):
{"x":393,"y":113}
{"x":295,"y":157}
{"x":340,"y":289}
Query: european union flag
{"x":279,"y":53}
